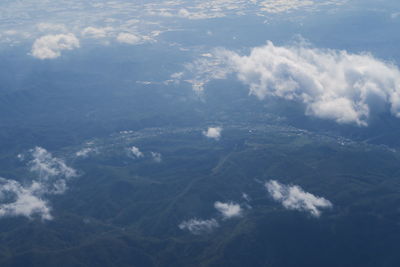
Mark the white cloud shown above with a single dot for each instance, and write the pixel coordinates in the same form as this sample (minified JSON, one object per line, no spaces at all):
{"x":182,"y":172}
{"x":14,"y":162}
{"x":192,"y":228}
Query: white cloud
{"x":332,"y":84}
{"x":213,"y":132}
{"x":193,"y":12}
{"x":294,"y":198}
{"x":228,"y":210}
{"x":198,"y":227}
{"x":29,"y":199}
{"x":209,"y":9}
{"x":25,"y":201}
{"x":177,"y":75}
{"x":51,"y":27}
{"x":278,"y":6}
{"x":221,"y":8}
{"x":84,"y":152}
{"x":205,"y":70}
{"x":199,"y":14}
{"x":51,"y":171}
{"x":128,"y":38}
{"x":96,"y":33}
{"x":45,"y":165}
{"x":50,"y":46}
{"x":156,"y":156}
{"x":136,"y":152}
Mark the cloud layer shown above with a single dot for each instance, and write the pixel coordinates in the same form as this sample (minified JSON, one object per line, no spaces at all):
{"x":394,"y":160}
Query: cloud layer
{"x":28,"y":20}
{"x":332,"y":84}
{"x":294,"y":198}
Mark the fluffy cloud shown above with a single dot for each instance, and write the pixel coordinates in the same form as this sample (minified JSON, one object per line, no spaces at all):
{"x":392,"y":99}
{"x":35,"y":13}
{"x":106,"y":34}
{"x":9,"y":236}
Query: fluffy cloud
{"x":29,"y":199}
{"x":332,"y":84}
{"x":198,"y":227}
{"x":213,"y":132}
{"x":47,"y":166}
{"x":128,"y":38}
{"x":52,"y":172}
{"x":50,"y":46}
{"x":136,"y":152}
{"x":156,"y":156}
{"x":228,"y":210}
{"x":294,"y":198}
{"x":25,"y":201}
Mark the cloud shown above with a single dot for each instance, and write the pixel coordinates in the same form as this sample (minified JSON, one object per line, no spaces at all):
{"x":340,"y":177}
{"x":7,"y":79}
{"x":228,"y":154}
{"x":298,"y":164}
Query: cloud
{"x":198,"y":227}
{"x":228,"y":210}
{"x":285,"y":6}
{"x":22,"y":201}
{"x":156,"y":156}
{"x":51,"y":27}
{"x":50,"y":46}
{"x":28,"y":199}
{"x":204,"y":70}
{"x":52,"y":172}
{"x":84,"y":152}
{"x":332,"y":84}
{"x":246,"y":197}
{"x":199,"y":14}
{"x":47,"y":166}
{"x":279,"y":6}
{"x":137,"y":153}
{"x":294,"y":198}
{"x":37,"y":17}
{"x":213,"y":132}
{"x":95,"y":33}
{"x":128,"y":38}
{"x":200,"y":10}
